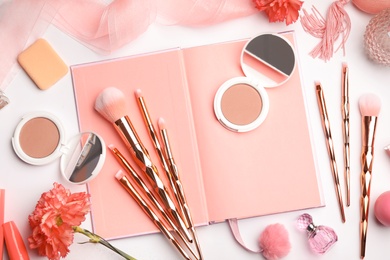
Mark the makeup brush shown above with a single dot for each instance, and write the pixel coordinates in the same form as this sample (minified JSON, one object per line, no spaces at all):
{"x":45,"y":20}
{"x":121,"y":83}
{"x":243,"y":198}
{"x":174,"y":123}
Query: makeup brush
{"x":179,"y":186}
{"x":157,"y":147}
{"x":111,"y":104}
{"x":345,"y":114}
{"x":329,"y":143}
{"x":370,"y":106}
{"x":141,"y":184}
{"x":145,"y":207}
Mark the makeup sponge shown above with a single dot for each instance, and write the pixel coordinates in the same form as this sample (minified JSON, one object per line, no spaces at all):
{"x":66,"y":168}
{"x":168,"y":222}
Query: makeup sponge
{"x":382,"y":208}
{"x":42,"y":64}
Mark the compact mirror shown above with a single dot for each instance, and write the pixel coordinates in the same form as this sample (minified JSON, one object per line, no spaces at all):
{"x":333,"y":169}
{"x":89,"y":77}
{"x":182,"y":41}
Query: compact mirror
{"x":39,"y":139}
{"x":83,"y":161}
{"x":241,"y":104}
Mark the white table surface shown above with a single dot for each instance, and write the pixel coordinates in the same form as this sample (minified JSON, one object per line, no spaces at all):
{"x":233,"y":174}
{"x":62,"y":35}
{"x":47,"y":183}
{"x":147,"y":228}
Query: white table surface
{"x":25,"y":183}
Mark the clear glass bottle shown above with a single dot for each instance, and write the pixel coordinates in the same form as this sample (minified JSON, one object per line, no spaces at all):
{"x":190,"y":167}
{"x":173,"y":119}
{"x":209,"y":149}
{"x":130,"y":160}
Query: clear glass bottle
{"x":321,"y":238}
{"x":377,"y":38}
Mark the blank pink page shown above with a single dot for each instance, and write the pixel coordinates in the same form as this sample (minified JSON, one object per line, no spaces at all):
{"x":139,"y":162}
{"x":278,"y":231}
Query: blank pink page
{"x":268,"y":170}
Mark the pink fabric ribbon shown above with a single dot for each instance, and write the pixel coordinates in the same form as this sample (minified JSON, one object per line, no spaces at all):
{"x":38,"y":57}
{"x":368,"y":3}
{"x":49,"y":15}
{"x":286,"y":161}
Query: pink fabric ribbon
{"x":233,"y":224}
{"x":103,"y":27}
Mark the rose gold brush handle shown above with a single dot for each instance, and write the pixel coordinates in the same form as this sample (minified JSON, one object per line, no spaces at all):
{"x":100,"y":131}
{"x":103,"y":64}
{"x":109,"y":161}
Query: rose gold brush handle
{"x":366,"y":176}
{"x":345,"y":113}
{"x":129,"y":169}
{"x":142,"y":158}
{"x":153,"y":136}
{"x":143,"y":205}
{"x":175,"y":174}
{"x":179,"y":187}
{"x":187,"y":213}
{"x":347,"y":161}
{"x":367,"y":159}
{"x":329,"y":143}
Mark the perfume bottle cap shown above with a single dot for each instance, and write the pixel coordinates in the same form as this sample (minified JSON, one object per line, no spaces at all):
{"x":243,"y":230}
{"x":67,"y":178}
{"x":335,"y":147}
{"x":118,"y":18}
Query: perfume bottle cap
{"x":305,"y":222}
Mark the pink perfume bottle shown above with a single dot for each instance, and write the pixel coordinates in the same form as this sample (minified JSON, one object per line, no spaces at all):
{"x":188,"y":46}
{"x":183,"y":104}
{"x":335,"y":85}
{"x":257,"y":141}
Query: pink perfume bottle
{"x":321,"y":238}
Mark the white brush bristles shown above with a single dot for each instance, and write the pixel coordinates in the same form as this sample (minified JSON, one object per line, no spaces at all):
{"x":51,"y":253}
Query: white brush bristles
{"x":111,"y":104}
{"x":161,"y":123}
{"x":369,"y":105}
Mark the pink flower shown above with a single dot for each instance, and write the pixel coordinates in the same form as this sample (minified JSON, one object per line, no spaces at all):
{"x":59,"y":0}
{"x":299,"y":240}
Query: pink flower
{"x":56,"y":218}
{"x":53,"y":219}
{"x":280,"y":10}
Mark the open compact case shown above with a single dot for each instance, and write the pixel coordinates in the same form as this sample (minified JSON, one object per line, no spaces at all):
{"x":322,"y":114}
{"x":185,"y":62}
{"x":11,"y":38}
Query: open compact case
{"x":241,"y":104}
{"x":39,"y":139}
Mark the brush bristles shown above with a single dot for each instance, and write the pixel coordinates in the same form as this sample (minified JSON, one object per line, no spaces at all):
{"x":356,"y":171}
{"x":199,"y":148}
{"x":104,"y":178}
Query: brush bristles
{"x":161,"y":123}
{"x":138,"y":93}
{"x":111,"y":104}
{"x":369,"y":105}
{"x":344,"y":67}
{"x":119,"y":175}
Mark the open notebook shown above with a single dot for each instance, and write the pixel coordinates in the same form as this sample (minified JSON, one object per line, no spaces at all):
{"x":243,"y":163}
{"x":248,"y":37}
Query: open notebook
{"x":225,"y":174}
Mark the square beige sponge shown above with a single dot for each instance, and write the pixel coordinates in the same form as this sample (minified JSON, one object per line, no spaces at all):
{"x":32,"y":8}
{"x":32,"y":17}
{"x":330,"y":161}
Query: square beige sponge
{"x":42,"y":64}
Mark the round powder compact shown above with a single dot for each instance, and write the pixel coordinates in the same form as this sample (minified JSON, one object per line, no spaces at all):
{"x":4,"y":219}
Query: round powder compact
{"x":240,"y":107}
{"x":241,"y":104}
{"x":37,"y":138}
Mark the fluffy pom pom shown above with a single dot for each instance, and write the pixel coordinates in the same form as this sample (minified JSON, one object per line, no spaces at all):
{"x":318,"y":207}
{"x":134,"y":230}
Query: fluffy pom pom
{"x":274,"y":242}
{"x":382,"y":209}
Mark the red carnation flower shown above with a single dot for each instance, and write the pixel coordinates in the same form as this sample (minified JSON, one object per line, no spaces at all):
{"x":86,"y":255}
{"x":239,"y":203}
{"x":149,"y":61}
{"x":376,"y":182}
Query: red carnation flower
{"x":56,"y":218}
{"x":280,"y":10}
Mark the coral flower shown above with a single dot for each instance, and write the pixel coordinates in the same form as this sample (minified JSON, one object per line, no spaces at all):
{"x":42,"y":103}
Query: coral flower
{"x":56,"y":217}
{"x":280,"y":10}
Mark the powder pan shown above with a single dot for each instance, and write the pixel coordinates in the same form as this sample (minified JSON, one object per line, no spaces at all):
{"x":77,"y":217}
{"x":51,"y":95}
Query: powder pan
{"x":267,"y":61}
{"x":40,"y":139}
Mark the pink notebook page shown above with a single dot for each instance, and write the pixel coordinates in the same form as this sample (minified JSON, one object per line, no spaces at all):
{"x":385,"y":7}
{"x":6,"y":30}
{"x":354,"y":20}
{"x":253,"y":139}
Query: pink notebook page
{"x":161,"y":78}
{"x":225,"y":174}
{"x":268,"y":170}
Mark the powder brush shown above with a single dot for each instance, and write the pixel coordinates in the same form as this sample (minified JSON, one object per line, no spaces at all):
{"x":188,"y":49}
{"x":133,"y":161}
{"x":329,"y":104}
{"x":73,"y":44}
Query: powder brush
{"x":370,"y":106}
{"x":111,"y":104}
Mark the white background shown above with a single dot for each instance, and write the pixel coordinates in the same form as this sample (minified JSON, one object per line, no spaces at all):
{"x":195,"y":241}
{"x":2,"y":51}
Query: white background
{"x":25,"y":183}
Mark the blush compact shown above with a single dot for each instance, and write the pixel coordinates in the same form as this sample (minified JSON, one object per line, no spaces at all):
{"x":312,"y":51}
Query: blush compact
{"x":241,"y":104}
{"x":39,"y":139}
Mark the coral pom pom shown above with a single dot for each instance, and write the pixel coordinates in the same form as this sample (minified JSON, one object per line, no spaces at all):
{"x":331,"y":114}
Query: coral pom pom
{"x":382,"y":209}
{"x":274,"y":242}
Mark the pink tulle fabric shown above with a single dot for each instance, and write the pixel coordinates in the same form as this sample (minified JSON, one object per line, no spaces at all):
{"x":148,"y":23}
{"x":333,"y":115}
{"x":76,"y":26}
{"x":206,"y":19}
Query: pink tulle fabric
{"x":201,"y":12}
{"x":103,"y":26}
{"x":337,"y":23}
{"x":21,"y":22}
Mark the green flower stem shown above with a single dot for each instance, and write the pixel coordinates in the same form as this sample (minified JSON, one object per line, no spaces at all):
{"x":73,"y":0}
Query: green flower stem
{"x":93,"y":238}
